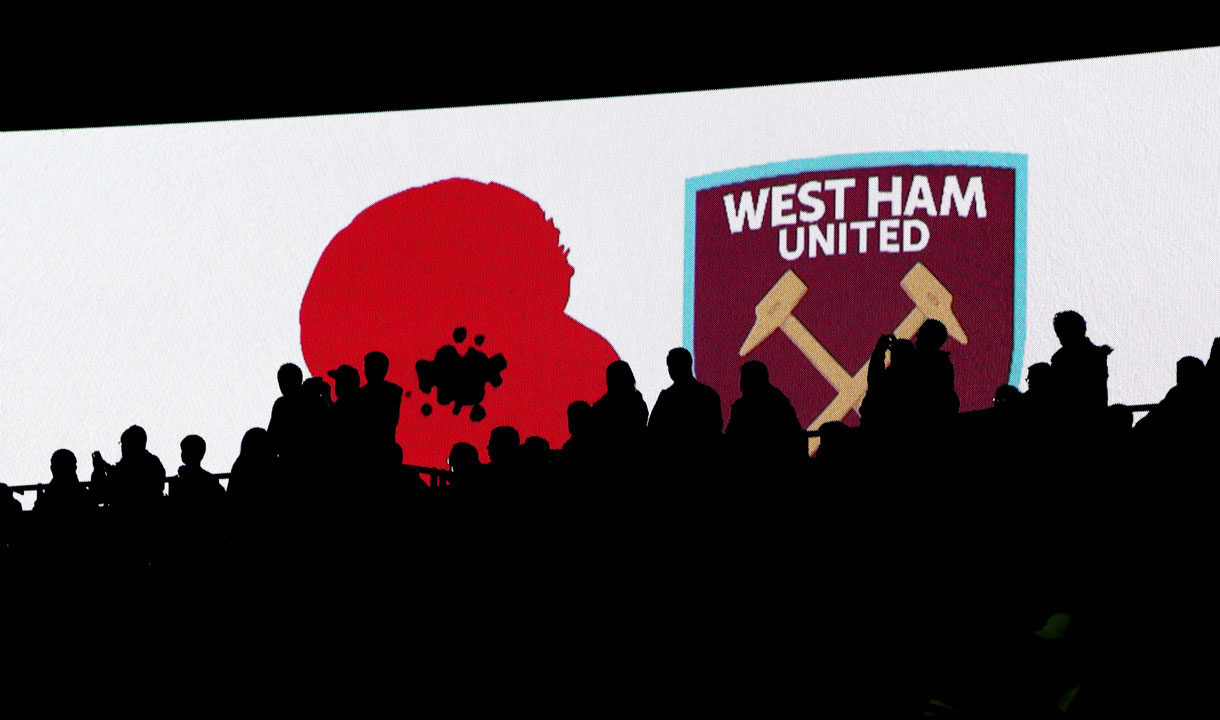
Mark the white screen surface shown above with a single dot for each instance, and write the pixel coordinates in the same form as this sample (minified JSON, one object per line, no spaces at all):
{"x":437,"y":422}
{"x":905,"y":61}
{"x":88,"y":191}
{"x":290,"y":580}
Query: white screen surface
{"x":154,"y":275}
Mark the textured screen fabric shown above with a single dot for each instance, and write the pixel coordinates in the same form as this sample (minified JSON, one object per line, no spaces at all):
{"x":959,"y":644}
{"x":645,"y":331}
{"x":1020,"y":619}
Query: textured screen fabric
{"x":160,"y":275}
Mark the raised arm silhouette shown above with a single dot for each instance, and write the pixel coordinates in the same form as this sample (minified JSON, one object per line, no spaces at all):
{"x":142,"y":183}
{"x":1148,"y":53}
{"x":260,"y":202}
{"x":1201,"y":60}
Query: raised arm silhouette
{"x":987,"y":561}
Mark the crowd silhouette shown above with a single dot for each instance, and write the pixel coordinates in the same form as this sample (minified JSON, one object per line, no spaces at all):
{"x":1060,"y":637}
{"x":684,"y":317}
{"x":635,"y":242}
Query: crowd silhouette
{"x":1004,"y":562}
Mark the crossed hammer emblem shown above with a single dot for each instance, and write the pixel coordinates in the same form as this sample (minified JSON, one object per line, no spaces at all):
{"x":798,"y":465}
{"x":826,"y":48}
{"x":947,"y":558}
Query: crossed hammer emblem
{"x":774,"y":312}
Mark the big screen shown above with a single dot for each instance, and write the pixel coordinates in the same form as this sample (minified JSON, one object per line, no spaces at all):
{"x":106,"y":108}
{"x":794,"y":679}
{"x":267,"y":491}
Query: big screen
{"x":503,"y":256}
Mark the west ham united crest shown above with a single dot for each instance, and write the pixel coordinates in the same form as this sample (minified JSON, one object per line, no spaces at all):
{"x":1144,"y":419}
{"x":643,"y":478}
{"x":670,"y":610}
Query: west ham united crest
{"x":804,"y":264}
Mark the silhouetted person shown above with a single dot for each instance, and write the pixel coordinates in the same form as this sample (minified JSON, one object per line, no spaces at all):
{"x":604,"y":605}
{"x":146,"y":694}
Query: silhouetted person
{"x":686,"y":421}
{"x":286,"y":426}
{"x":254,"y":480}
{"x":536,"y":460}
{"x":1191,"y":381}
{"x":380,"y":402}
{"x":1041,"y":395}
{"x":318,"y":391}
{"x":503,"y":455}
{"x":12,"y":529}
{"x":64,"y":495}
{"x":836,"y":451}
{"x":137,"y":480}
{"x":1006,"y":397}
{"x":1213,"y":370}
{"x":763,"y":430}
{"x":1119,"y":421}
{"x":580,"y":449}
{"x":986,"y":435}
{"x":345,"y":414}
{"x":892,"y":391}
{"x":319,"y":457}
{"x":1118,"y":446}
{"x":1081,"y":368}
{"x":1183,"y":415}
{"x":621,"y":414}
{"x":195,"y":488}
{"x":347,"y":384}
{"x":400,"y":485}
{"x":465,"y":469}
{"x":10,"y":509}
{"x":317,"y":406}
{"x":935,"y":394}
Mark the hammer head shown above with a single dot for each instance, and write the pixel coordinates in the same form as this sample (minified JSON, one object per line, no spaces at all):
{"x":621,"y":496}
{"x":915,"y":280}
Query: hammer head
{"x":775,"y":307}
{"x":932,"y":299}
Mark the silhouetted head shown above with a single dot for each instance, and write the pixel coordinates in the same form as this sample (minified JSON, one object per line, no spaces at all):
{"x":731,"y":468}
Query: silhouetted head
{"x":902,"y":352}
{"x":133,"y":441}
{"x":347,"y":379}
{"x":376,"y":365}
{"x":503,"y":444}
{"x":317,"y":388}
{"x":1069,"y":326}
{"x":63,"y":465}
{"x":463,"y":457}
{"x":193,"y":448}
{"x":754,"y":377}
{"x":535,"y":450}
{"x":932,"y":334}
{"x":580,"y":417}
{"x":1006,"y":396}
{"x":1119,"y":418}
{"x":289,"y":378}
{"x":1191,"y":372}
{"x":833,"y":434}
{"x":1040,"y":377}
{"x":619,"y":378}
{"x":680,"y":364}
{"x":256,"y":444}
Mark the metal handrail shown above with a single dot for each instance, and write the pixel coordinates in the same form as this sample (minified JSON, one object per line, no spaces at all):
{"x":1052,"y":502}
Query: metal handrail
{"x":1132,"y":408}
{"x":435,"y":473}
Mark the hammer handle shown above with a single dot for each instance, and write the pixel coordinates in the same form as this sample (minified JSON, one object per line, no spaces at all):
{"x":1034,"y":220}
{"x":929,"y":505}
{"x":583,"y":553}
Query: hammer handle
{"x":851,"y":395}
{"x":910,"y":324}
{"x":818,"y":355}
{"x":851,"y":392}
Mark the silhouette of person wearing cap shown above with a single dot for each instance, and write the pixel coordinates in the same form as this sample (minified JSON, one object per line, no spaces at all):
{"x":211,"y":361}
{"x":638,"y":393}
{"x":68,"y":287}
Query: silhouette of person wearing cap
{"x":345,"y":413}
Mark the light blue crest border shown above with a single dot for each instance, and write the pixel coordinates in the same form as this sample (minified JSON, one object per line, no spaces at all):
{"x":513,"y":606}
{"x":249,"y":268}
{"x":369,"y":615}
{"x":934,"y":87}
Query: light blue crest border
{"x":1013,"y":161}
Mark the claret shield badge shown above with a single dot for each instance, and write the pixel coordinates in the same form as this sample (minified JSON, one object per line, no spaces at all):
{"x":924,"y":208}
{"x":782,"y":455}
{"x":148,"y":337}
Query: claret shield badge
{"x":804,"y":264}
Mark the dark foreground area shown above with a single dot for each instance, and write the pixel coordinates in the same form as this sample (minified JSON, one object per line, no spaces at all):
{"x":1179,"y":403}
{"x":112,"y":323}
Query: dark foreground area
{"x":904,"y":590}
{"x":1047,"y":556}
